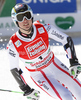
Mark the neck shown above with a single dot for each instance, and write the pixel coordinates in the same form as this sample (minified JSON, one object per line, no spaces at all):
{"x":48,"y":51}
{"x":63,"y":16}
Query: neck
{"x":26,"y":35}
{"x":26,"y":31}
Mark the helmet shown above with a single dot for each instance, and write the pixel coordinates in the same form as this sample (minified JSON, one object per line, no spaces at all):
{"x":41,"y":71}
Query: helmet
{"x":21,"y":10}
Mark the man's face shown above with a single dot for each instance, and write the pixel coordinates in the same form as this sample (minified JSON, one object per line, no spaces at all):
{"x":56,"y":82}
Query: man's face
{"x":25,"y":24}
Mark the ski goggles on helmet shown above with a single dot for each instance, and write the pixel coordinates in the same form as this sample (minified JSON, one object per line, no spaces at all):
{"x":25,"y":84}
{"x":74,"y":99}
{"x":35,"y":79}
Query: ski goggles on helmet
{"x":20,"y":16}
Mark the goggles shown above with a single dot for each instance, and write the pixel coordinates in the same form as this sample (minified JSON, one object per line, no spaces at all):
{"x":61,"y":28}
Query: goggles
{"x":20,"y":16}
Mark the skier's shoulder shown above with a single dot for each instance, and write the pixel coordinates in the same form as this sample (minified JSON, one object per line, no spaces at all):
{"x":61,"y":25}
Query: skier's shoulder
{"x":13,"y":37}
{"x":11,"y":41}
{"x":37,"y":23}
{"x":41,"y":24}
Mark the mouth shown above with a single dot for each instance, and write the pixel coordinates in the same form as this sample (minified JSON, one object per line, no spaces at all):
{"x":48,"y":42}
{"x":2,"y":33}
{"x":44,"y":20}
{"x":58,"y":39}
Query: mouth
{"x":26,"y":24}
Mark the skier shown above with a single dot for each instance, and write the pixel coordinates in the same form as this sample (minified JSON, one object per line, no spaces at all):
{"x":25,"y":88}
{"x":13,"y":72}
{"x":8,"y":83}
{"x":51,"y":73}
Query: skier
{"x":30,"y":44}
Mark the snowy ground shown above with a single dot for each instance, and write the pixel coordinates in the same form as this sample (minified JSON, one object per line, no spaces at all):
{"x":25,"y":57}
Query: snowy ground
{"x":8,"y":82}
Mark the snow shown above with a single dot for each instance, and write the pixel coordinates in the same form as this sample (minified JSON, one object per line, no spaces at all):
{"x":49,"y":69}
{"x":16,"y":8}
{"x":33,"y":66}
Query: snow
{"x":7,"y":81}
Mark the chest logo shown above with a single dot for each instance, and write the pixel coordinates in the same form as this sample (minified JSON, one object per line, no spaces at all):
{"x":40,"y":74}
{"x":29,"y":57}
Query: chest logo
{"x":18,"y":43}
{"x":41,"y":30}
{"x":35,"y":48}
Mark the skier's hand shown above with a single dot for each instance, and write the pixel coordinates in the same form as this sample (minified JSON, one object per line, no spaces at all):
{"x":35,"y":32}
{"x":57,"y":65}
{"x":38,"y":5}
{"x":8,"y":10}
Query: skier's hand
{"x":75,"y":70}
{"x":32,"y":95}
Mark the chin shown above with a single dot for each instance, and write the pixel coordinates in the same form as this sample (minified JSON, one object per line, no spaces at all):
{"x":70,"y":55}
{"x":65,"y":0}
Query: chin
{"x":27,"y":28}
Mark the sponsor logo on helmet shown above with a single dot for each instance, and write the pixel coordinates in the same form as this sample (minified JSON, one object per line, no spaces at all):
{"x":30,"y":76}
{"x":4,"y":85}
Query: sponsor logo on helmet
{"x":17,"y":6}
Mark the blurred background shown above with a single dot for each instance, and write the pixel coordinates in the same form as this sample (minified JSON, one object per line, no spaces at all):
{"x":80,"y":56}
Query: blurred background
{"x":65,"y":15}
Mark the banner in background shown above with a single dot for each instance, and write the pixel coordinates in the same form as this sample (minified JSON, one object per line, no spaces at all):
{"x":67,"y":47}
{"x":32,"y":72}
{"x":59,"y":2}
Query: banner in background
{"x":67,"y":23}
{"x":39,"y":6}
{"x":51,"y":6}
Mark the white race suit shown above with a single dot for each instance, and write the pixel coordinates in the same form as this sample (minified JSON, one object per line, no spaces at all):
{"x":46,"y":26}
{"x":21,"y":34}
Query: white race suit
{"x":50,"y":74}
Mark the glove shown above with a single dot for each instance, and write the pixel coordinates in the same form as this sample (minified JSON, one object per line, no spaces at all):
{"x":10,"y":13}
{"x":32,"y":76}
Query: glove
{"x":75,"y":70}
{"x":32,"y":95}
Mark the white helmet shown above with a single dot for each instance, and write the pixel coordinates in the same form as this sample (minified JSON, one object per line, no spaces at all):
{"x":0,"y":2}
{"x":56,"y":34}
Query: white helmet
{"x":21,"y":11}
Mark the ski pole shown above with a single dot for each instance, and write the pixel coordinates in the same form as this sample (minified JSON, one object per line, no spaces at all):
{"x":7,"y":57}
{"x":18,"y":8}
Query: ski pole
{"x":11,"y":91}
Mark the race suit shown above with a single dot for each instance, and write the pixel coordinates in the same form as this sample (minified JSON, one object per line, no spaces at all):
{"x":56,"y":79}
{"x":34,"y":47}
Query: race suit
{"x":43,"y":66}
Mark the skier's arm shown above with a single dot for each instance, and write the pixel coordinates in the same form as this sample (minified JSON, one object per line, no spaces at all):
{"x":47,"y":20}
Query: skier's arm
{"x":68,"y":46}
{"x":17,"y":72}
{"x":65,"y":40}
{"x":14,"y":65}
{"x":75,"y":66}
{"x":29,"y":92}
{"x":20,"y":80}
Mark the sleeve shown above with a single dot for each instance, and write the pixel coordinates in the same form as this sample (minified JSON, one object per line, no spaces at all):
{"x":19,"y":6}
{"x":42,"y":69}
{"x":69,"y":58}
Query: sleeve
{"x":55,"y":34}
{"x":66,"y":41}
{"x":13,"y":56}
{"x":14,"y":67}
